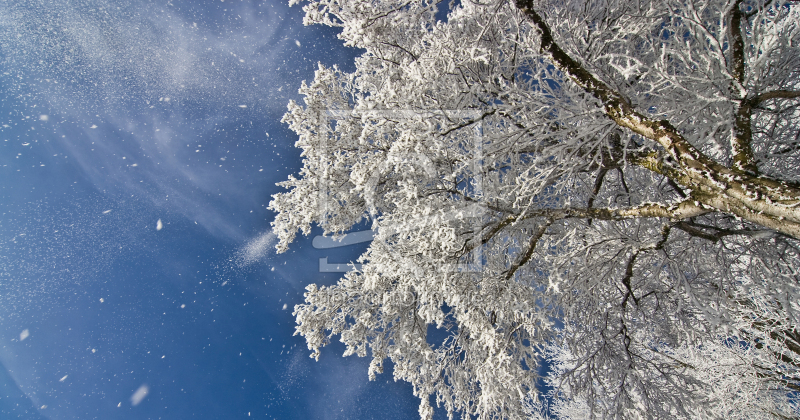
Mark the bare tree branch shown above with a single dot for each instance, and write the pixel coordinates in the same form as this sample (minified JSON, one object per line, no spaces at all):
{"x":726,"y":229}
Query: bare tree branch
{"x":741,"y":150}
{"x":725,"y":189}
{"x":776,"y":94}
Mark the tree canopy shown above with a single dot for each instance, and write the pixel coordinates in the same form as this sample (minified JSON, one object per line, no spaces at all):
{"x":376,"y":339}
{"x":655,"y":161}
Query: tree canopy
{"x":606,"y":189}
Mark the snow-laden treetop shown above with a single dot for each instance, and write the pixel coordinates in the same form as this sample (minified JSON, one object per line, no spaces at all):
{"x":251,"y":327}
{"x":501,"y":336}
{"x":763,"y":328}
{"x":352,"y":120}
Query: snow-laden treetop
{"x":607,"y":187}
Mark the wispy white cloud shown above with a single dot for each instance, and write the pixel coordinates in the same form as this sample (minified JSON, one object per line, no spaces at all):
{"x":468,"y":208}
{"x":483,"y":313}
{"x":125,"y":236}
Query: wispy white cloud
{"x":89,"y":55}
{"x":130,"y":87}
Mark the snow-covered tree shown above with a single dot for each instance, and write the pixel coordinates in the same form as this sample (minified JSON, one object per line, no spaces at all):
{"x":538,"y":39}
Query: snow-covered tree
{"x":607,"y":188}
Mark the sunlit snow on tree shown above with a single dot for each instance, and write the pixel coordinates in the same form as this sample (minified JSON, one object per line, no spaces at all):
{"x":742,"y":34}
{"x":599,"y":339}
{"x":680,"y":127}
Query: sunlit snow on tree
{"x":625,"y":174}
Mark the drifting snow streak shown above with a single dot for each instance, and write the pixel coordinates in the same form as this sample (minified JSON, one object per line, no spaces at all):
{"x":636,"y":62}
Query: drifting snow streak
{"x":255,"y":249}
{"x":139,"y":395}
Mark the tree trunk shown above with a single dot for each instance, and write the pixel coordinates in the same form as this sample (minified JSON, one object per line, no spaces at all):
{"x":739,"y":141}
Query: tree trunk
{"x":758,"y":199}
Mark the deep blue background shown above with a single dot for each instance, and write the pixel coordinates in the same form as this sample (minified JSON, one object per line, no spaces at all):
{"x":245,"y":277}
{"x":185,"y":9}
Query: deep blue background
{"x":115,"y":115}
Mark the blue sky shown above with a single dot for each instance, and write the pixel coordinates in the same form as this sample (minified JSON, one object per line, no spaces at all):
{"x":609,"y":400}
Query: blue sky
{"x":116,"y":115}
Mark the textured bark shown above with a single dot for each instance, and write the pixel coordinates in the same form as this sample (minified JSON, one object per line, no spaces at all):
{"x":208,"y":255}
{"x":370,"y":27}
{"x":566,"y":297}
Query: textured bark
{"x":742,"y":136}
{"x":771,"y":203}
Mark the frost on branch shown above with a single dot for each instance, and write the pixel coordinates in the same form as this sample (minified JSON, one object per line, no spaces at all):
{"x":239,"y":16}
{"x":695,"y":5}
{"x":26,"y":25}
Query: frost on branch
{"x":610,"y":189}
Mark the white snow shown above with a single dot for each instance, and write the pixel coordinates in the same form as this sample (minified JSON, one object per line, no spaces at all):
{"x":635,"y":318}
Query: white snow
{"x":255,"y":249}
{"x":64,"y":378}
{"x":159,"y":225}
{"x":139,"y":395}
{"x":24,"y":334}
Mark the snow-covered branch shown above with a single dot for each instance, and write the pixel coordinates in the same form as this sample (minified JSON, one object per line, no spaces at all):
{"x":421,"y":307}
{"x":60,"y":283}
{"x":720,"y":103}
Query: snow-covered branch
{"x":611,"y":189}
